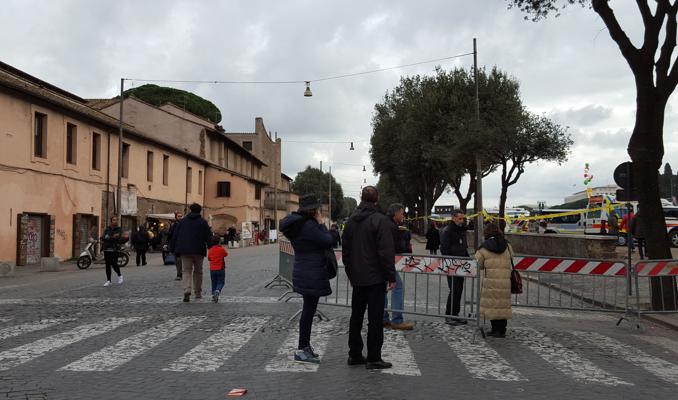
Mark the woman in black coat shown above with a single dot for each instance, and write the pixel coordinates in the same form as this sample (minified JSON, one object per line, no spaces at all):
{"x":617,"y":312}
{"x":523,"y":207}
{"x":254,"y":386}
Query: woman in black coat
{"x":433,"y":239}
{"x":311,"y":240}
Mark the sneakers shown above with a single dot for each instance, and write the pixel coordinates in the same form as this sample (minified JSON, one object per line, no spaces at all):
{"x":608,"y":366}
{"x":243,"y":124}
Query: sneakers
{"x":356,"y":360}
{"x":306,"y":355}
{"x":187,"y":297}
{"x":497,"y":334}
{"x":381,"y":364}
{"x":215,"y":296}
{"x":403,"y":326}
{"x":108,"y":283}
{"x":178,"y":278}
{"x":316,"y":355}
{"x":198,"y":295}
{"x":120,"y":280}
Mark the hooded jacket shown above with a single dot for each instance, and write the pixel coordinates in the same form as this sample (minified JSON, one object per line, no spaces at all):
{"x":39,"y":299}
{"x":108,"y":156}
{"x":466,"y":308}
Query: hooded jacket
{"x":494,"y":260}
{"x":191,"y":236}
{"x":453,"y":240}
{"x":310,"y":241}
{"x":368,"y":251}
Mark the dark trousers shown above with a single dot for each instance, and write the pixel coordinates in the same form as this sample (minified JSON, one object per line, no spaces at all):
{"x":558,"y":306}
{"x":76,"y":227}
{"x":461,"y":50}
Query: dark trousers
{"x":372,"y":299}
{"x":177,"y":262}
{"x":141,"y":257}
{"x":641,"y":247}
{"x":111,"y":258}
{"x":498,"y":325}
{"x":434,"y":251}
{"x":218,"y":279}
{"x":456,"y":285}
{"x":306,"y":320}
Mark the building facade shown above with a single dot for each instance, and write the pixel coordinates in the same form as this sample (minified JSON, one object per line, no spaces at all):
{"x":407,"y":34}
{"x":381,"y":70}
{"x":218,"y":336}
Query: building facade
{"x":59,"y":169}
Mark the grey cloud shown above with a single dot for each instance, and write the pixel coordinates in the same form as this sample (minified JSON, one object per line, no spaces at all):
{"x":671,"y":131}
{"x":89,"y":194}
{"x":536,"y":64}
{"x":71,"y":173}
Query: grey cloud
{"x":584,"y":116}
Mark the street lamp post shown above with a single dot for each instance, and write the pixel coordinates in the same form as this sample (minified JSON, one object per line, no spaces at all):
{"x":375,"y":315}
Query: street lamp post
{"x":120,"y":136}
{"x":479,"y":172}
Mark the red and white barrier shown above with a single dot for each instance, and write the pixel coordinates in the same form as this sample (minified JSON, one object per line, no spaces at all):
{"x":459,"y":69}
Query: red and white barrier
{"x":570,"y":266}
{"x":657,"y":268}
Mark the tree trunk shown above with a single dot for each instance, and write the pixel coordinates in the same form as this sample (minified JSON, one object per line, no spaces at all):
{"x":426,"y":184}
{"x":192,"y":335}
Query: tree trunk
{"x":502,"y":204}
{"x":646,"y":151}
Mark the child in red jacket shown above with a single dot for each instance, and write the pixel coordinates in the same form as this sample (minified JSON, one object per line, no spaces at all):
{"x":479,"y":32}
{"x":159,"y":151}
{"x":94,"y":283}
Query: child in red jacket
{"x":217,"y":258}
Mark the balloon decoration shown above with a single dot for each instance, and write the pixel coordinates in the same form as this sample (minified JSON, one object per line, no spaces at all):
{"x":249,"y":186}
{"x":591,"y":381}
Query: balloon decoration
{"x":588,"y":177}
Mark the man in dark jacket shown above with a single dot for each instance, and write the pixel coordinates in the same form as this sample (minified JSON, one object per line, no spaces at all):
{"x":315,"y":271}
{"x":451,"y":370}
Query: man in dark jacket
{"x":170,"y":234}
{"x":336,"y":237}
{"x":190,"y":239}
{"x":369,"y":257}
{"x":453,"y":243}
{"x":140,"y":241}
{"x":402,"y":239}
{"x":433,"y":238}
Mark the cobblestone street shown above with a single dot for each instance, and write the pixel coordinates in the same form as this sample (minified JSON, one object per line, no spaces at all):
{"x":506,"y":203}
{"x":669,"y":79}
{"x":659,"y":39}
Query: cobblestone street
{"x":65,"y":336}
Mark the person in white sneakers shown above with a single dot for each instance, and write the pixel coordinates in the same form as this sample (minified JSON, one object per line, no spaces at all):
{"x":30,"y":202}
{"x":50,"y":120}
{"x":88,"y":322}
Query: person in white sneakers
{"x":112,"y":239}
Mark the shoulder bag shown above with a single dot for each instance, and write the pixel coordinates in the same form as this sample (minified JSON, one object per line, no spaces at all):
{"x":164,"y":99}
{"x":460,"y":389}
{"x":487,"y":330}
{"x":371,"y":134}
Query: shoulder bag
{"x":331,"y":264}
{"x":516,"y":279}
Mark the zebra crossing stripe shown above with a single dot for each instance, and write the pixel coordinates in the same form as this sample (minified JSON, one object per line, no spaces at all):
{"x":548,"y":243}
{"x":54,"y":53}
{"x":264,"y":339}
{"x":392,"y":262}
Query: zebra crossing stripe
{"x":660,"y":341}
{"x":213,"y":352}
{"x":284,"y":359}
{"x":23,"y":354}
{"x":399,"y":352}
{"x":17,"y":330}
{"x":654,"y":365}
{"x":481,"y":361}
{"x":111,"y":357}
{"x":563,"y":359}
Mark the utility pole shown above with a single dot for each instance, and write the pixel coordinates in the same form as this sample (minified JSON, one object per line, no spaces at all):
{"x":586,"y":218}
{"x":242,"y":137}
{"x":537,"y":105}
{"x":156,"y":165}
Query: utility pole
{"x":329,"y":223}
{"x":120,"y":135}
{"x":479,"y":172}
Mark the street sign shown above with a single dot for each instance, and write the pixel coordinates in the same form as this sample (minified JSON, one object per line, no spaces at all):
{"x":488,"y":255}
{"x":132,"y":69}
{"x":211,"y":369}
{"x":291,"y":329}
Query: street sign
{"x":623,"y":176}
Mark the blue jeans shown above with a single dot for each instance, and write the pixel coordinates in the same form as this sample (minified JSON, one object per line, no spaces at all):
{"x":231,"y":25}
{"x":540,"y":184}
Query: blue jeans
{"x":397,"y":302}
{"x":218,"y":279}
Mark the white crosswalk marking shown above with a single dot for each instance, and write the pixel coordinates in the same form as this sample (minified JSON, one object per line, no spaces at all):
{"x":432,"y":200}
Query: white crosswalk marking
{"x":23,"y":354}
{"x":17,"y":330}
{"x":655,"y":365}
{"x":284,"y":359}
{"x":218,"y":348}
{"x":563,"y":359}
{"x":399,"y":353}
{"x":111,"y":357}
{"x":660,"y":341}
{"x":481,"y":361}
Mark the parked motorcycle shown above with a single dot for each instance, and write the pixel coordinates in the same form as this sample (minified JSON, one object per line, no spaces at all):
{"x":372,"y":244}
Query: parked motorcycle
{"x":88,"y":256}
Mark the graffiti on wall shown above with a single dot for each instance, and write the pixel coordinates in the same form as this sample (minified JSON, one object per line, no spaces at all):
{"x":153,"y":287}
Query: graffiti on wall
{"x":34,"y":240}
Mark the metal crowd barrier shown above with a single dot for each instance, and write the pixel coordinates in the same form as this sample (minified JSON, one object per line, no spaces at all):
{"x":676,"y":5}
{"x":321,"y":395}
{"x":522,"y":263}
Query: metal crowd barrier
{"x":572,"y":284}
{"x":548,"y":282}
{"x":643,"y":272}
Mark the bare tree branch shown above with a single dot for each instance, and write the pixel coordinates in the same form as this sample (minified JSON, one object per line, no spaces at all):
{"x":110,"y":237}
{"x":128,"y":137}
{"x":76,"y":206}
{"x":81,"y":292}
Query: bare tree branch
{"x":630,"y":52}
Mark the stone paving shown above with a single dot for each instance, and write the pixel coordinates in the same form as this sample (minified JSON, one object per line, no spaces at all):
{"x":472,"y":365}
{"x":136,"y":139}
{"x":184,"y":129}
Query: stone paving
{"x":64,"y":336}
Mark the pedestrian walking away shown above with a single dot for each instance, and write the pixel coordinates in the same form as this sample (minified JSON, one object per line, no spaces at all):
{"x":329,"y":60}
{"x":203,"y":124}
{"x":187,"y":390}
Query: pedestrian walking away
{"x":217,"y":259}
{"x":368,"y":254}
{"x":311,"y":242}
{"x":402,"y":241}
{"x":638,"y":232}
{"x":453,"y":243}
{"x":190,"y":239}
{"x":140,"y":241}
{"x":495,"y":262}
{"x":336,"y":236}
{"x":170,"y":233}
{"x":433,"y":238}
{"x":112,"y":239}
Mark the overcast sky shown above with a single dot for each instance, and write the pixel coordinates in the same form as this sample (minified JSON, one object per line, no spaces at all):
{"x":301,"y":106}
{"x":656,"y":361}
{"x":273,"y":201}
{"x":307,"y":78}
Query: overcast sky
{"x":568,"y":68}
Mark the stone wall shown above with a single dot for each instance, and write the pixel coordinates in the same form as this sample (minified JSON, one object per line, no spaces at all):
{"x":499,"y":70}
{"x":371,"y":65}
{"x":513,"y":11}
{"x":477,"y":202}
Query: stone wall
{"x":577,"y":246}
